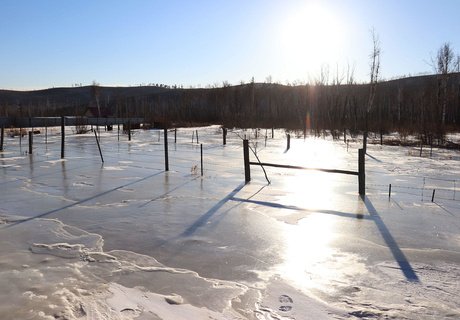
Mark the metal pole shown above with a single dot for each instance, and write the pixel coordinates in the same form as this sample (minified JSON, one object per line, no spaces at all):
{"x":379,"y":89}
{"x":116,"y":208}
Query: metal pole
{"x":389,"y":192}
{"x":288,"y":142}
{"x":224,"y":136}
{"x":247,"y":168}
{"x":197,"y":137}
{"x":166,"y":149}
{"x":175,"y":135}
{"x":62,"y":137}
{"x":201,"y":150}
{"x":129,"y":130}
{"x":432,"y":197}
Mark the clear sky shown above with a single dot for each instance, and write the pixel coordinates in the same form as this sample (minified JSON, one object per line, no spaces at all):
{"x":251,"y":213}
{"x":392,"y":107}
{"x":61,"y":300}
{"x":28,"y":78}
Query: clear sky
{"x":54,"y":43}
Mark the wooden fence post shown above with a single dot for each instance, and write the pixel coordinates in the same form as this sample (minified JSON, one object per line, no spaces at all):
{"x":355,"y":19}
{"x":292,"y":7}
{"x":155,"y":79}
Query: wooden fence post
{"x":273,"y":133}
{"x":2,"y":136}
{"x":247,"y":168}
{"x":99,"y":146}
{"x":288,"y":142}
{"x":361,"y":173}
{"x":197,"y":137}
{"x":62,"y":137}
{"x":224,"y":136}
{"x":31,"y":141}
{"x":165,"y":131}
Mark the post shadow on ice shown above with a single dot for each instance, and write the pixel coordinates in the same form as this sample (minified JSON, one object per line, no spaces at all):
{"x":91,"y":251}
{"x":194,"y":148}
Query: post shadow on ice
{"x":397,"y":253}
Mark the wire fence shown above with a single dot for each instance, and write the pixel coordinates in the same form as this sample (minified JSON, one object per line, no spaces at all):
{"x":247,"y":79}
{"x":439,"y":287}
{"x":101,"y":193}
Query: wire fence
{"x":146,"y":151}
{"x":431,"y":189}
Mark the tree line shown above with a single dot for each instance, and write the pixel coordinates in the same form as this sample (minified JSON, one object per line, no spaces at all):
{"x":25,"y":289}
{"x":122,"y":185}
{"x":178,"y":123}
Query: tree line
{"x":428,"y":106}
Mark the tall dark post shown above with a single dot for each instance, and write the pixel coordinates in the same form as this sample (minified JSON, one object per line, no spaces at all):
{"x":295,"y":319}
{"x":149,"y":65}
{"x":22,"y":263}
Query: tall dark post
{"x":175,"y":135}
{"x":129,"y":130}
{"x":288,"y":142}
{"x":273,"y":133}
{"x":201,"y":151}
{"x":365,"y":141}
{"x":2,"y":136}
{"x":31,"y":141}
{"x":247,"y":168}
{"x":361,"y":173}
{"x":197,"y":137}
{"x":224,"y":136}
{"x":62,"y":136}
{"x":165,"y":130}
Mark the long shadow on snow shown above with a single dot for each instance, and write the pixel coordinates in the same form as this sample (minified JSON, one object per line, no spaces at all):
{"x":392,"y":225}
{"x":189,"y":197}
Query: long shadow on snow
{"x":205,"y":217}
{"x":289,"y":207}
{"x":82,"y":201}
{"x":399,"y":256}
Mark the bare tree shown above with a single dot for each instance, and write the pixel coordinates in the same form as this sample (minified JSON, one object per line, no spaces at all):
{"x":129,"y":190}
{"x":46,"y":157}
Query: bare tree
{"x":374,"y":74}
{"x":446,"y":62}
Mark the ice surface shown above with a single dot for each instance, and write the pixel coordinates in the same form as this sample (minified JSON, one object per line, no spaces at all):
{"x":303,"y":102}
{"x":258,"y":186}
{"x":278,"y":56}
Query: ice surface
{"x":127,"y":240}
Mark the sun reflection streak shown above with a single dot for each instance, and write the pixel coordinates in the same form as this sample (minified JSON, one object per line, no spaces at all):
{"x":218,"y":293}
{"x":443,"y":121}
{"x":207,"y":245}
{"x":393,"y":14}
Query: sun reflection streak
{"x":307,"y":249}
{"x":311,"y":258}
{"x":312,"y":189}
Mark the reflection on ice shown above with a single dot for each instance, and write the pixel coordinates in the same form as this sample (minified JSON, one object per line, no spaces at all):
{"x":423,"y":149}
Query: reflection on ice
{"x":126,"y":239}
{"x":311,"y":259}
{"x":307,"y":251}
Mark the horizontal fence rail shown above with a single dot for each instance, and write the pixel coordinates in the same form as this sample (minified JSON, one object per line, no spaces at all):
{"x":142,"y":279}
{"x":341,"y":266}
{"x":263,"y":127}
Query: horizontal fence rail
{"x":304,"y":168}
{"x":361,"y":173}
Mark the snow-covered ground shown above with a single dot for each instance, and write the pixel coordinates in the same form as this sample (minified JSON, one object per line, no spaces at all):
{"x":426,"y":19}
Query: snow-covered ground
{"x":123,"y":239}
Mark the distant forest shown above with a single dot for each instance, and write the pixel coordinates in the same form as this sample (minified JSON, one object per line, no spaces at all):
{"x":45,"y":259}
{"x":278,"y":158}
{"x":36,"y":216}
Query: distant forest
{"x":426,"y":106}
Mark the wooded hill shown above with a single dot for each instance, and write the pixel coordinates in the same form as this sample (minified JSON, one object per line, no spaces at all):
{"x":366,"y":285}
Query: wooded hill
{"x":428,"y":106}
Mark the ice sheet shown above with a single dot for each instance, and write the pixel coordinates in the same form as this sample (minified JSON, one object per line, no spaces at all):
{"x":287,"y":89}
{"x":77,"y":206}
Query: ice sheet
{"x":127,"y":240}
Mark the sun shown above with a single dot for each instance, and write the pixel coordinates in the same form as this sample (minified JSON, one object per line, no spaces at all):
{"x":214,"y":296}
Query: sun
{"x":311,"y":37}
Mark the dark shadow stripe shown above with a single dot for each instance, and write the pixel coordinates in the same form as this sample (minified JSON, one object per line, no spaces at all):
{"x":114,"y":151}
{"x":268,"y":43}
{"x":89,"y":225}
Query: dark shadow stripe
{"x":205,"y":217}
{"x":399,"y":256}
{"x":288,"y":207}
{"x":81,"y":201}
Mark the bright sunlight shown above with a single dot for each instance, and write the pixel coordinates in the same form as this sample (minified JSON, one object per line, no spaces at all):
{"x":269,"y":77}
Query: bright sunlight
{"x":310,"y":38}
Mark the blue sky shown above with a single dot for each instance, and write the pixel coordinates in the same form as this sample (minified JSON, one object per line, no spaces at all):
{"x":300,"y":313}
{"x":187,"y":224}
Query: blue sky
{"x":53,"y":43}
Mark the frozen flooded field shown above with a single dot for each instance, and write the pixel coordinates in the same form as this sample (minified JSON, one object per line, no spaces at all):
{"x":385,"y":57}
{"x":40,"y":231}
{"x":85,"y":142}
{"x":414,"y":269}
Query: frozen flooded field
{"x":125,"y":239}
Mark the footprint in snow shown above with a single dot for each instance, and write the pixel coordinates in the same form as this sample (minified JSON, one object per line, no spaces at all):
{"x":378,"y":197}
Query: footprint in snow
{"x":286,"y":301}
